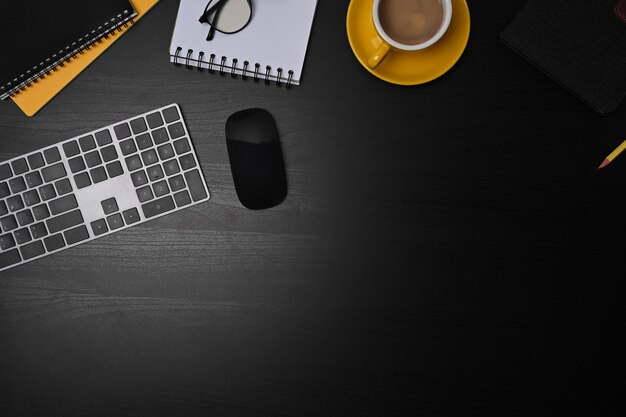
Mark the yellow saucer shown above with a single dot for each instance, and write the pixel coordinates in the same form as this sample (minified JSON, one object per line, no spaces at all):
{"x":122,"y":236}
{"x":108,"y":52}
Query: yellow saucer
{"x":408,"y":68}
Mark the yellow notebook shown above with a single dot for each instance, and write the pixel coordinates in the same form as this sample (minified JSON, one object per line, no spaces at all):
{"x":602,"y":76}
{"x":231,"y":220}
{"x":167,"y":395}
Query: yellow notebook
{"x":33,"y":98}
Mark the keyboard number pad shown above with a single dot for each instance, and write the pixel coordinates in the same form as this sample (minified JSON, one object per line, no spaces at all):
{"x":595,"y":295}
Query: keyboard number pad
{"x":162,"y":165}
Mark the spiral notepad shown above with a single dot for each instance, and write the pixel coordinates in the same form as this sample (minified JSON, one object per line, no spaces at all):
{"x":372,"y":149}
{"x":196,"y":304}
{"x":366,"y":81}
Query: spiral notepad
{"x":49,"y":34}
{"x":271,"y":48}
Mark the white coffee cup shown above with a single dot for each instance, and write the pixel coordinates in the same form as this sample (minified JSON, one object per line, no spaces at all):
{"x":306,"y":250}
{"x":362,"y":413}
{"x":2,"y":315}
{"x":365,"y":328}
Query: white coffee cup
{"x":389,"y":44}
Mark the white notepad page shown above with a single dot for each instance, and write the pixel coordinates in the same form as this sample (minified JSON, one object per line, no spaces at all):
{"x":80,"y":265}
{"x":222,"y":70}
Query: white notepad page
{"x":277,"y":36}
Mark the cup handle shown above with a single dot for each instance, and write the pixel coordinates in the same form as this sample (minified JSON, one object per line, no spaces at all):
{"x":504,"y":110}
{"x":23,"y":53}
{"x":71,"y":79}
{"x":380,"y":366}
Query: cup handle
{"x":379,"y":55}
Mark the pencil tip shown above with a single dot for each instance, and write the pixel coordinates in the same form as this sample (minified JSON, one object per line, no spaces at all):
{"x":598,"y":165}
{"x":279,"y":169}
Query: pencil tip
{"x":604,"y":163}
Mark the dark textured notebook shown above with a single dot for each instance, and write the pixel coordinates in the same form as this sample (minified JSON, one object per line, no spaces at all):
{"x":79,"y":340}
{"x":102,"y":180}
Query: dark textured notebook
{"x":38,"y":35}
{"x":579,"y":43}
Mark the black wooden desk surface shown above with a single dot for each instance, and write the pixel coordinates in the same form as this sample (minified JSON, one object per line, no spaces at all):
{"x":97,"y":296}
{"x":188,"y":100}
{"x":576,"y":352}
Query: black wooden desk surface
{"x":444,"y":249}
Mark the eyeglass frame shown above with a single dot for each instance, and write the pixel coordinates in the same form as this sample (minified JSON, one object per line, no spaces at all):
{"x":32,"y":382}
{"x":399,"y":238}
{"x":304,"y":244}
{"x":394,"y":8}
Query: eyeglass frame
{"x":215,"y":7}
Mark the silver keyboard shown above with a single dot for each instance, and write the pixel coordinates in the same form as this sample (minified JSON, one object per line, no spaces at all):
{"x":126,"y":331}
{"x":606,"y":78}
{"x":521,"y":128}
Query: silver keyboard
{"x":96,"y":184}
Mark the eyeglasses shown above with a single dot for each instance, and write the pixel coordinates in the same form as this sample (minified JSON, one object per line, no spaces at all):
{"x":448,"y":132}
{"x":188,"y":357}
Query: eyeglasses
{"x":226,"y":16}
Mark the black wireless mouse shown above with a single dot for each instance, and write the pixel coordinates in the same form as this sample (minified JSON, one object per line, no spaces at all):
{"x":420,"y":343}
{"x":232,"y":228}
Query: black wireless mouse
{"x":256,"y":159}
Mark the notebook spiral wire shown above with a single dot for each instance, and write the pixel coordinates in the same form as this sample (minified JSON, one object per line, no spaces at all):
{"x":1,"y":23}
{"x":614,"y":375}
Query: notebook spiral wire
{"x":211,"y":65}
{"x":118,"y":24}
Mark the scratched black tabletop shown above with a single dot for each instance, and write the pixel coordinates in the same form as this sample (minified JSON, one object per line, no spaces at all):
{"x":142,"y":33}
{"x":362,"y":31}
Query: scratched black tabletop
{"x":443,"y":250}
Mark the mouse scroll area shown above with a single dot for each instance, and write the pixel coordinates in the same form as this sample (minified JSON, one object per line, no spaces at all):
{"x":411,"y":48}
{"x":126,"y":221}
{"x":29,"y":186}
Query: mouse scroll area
{"x":252,"y":126}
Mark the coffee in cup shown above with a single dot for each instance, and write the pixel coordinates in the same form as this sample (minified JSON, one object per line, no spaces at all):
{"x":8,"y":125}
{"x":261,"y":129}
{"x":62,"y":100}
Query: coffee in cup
{"x":409,"y":25}
{"x":411,"y":22}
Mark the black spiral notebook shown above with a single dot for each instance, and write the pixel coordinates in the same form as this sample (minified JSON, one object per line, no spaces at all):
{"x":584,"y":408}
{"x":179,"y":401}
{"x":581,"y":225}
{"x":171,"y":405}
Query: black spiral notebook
{"x":36,"y":36}
{"x":579,"y":43}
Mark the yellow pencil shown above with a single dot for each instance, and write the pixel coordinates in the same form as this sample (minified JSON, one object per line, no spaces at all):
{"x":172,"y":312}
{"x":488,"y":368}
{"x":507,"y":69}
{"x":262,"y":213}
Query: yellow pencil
{"x":613,"y":155}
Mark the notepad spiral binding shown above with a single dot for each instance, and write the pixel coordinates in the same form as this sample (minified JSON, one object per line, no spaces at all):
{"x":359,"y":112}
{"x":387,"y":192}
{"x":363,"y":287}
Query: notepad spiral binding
{"x":50,"y":65}
{"x":246,"y":71}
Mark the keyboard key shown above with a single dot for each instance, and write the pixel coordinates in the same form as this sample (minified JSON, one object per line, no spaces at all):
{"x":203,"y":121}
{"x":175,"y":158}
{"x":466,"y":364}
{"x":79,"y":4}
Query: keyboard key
{"x":33,"y":179}
{"x":63,"y":186}
{"x":77,"y":234}
{"x":53,"y":172}
{"x":32,"y":249}
{"x":7,"y":241}
{"x":109,"y":153}
{"x":155,"y":173}
{"x":17,"y":185}
{"x":154,"y":120}
{"x":149,"y":157}
{"x":93,"y":159}
{"x":15,"y":203}
{"x":19,"y":166}
{"x":64,"y":221}
{"x":176,"y":183}
{"x":87,"y":143}
{"x":131,"y":216}
{"x":144,"y":141}
{"x":138,"y":125}
{"x":166,"y":151}
{"x":54,"y":242}
{"x":109,"y":205}
{"x":4,"y":190}
{"x":63,"y":204}
{"x":22,"y":236}
{"x":128,"y":147}
{"x":3,"y":208}
{"x":24,"y":217}
{"x":160,"y":136}
{"x":133,"y":163}
{"x":38,"y":230}
{"x":103,"y":138}
{"x":182,"y":146}
{"x":47,"y":192}
{"x":82,"y":180}
{"x":115,"y":169}
{"x":171,"y":114}
{"x":122,"y":131}
{"x":52,"y":155}
{"x":5,"y":172}
{"x":99,"y":227}
{"x":159,"y":206}
{"x":160,"y":188}
{"x":71,"y":149}
{"x":139,"y":178}
{"x":31,"y":198}
{"x":171,"y":167}
{"x":115,"y":221}
{"x":36,"y":160}
{"x":144,"y":194}
{"x":187,"y":161}
{"x":77,"y":164}
{"x":196,"y":187}
{"x":9,"y":258}
{"x":41,"y":212}
{"x":176,"y":130}
{"x":98,"y":175}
